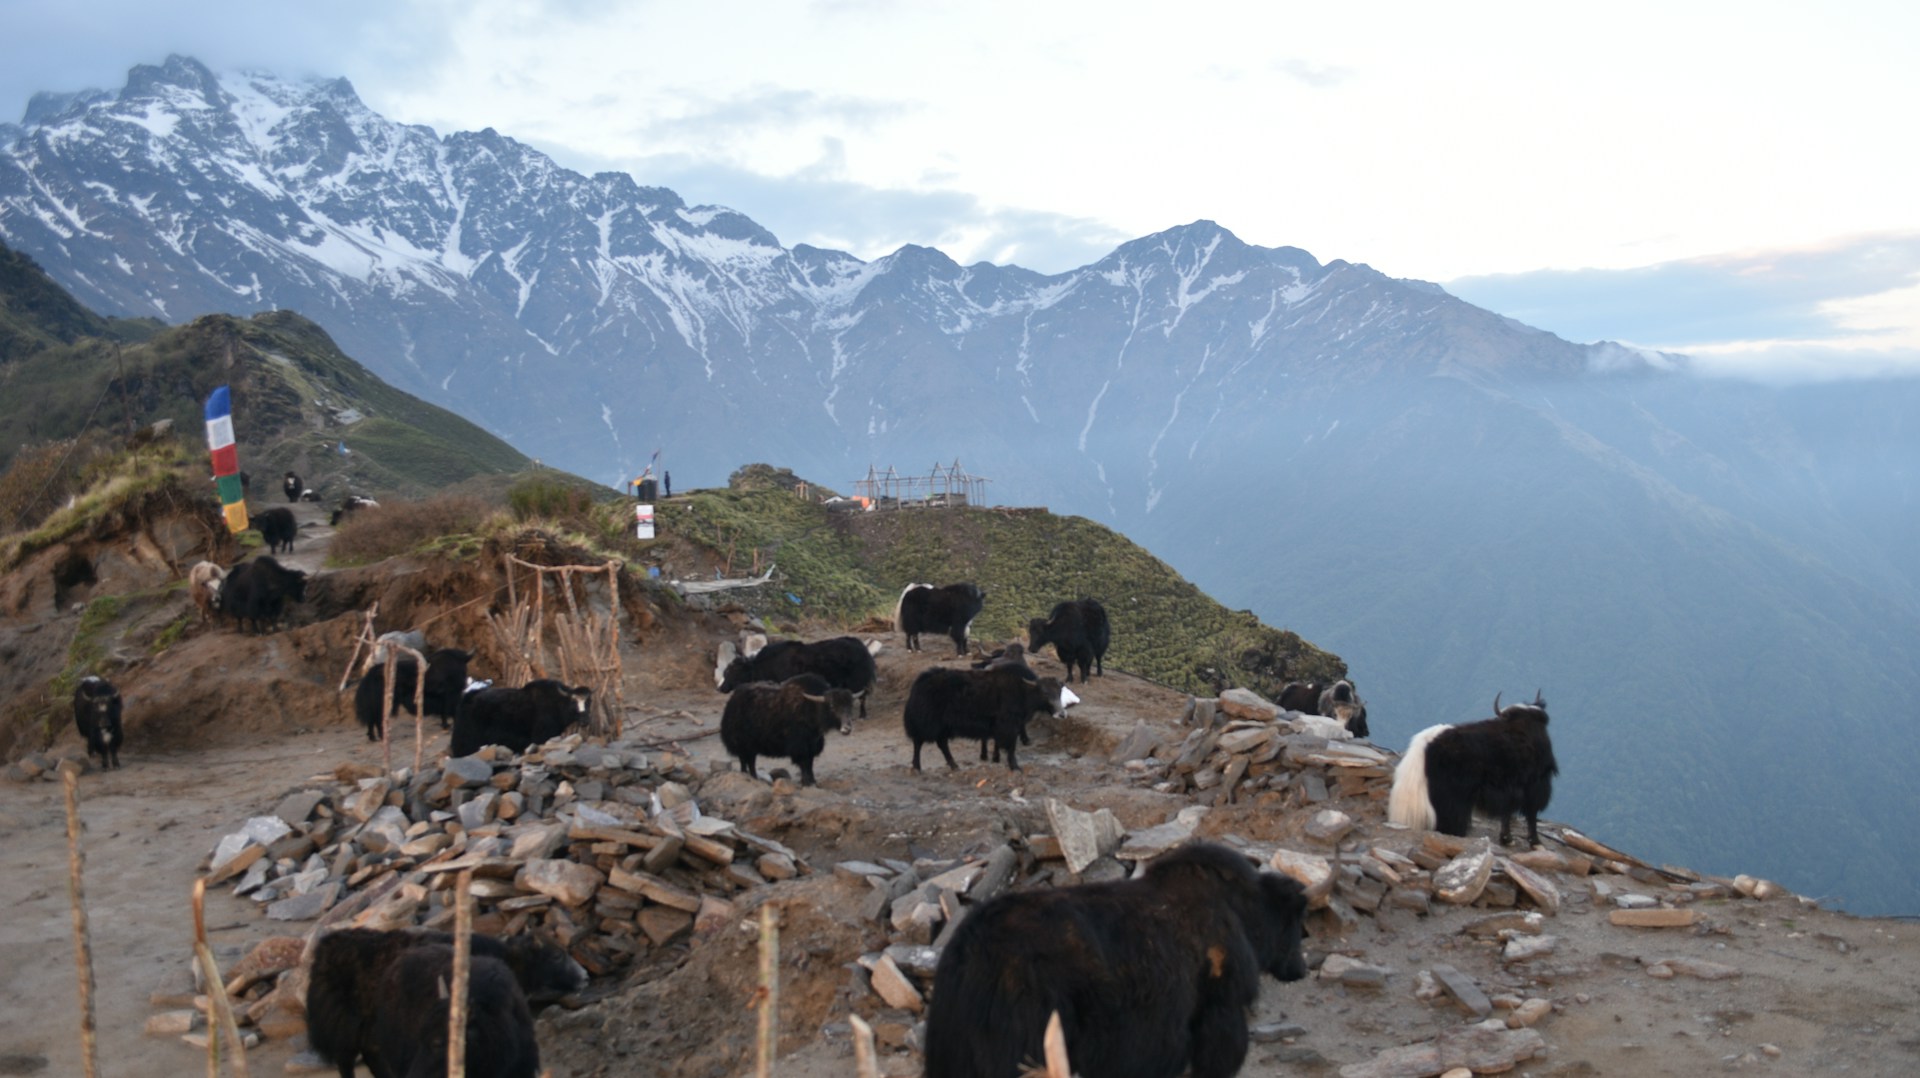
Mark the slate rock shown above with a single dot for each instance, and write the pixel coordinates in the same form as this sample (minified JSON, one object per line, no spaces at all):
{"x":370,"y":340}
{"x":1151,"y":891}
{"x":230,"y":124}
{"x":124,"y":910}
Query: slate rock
{"x":1329,"y":826}
{"x":1247,"y":704}
{"x":1462,"y":879}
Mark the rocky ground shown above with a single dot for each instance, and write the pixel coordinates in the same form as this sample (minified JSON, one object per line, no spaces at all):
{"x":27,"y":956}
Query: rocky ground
{"x":1773,"y":986}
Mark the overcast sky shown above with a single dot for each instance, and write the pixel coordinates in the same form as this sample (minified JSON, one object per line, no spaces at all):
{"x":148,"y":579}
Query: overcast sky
{"x":1739,"y":181}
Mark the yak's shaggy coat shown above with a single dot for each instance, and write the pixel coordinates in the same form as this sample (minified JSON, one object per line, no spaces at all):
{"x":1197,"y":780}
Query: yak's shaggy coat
{"x":1152,"y":977}
{"x":1498,"y":766}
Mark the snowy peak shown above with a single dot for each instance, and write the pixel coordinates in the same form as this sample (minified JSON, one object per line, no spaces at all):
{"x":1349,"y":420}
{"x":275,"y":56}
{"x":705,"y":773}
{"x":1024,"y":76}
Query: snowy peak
{"x":476,"y":271}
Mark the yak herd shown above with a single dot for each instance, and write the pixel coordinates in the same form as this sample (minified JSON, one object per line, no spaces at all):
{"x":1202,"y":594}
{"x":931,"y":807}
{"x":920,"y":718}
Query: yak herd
{"x":1152,"y":976}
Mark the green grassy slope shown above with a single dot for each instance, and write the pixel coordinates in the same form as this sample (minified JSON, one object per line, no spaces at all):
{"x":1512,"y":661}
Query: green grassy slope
{"x":296,"y":398}
{"x":848,"y":566}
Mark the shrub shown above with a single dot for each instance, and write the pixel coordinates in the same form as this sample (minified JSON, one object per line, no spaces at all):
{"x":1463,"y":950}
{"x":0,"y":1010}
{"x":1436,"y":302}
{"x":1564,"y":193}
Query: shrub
{"x":41,"y":480}
{"x":403,"y":527}
{"x":540,"y":497}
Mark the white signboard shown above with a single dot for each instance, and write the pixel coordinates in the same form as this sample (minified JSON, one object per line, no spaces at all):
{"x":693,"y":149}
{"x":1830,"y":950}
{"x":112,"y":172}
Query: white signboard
{"x":643,"y":521}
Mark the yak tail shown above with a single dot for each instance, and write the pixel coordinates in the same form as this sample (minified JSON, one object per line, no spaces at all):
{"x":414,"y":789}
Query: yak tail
{"x":1408,"y":804}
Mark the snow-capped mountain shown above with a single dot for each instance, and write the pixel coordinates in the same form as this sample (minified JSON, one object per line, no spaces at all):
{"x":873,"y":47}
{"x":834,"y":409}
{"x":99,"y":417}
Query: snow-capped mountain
{"x":591,"y":320}
{"x":1454,"y":502}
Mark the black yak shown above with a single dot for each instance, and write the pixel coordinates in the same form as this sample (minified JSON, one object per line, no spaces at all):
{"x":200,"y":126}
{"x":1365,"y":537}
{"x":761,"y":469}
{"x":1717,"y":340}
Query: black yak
{"x":787,"y":720}
{"x":1078,"y":632}
{"x":1340,"y":701}
{"x":992,"y":704}
{"x":410,"y":1031}
{"x":517,"y":718}
{"x":1499,"y":766}
{"x":446,"y":682}
{"x":923,"y":608}
{"x":1152,"y":977}
{"x":542,"y":967}
{"x":292,"y":486}
{"x":353,"y":504}
{"x":843,"y":661}
{"x":1301,"y":696}
{"x":257,"y":591}
{"x":276,"y":527}
{"x":353,"y":996}
{"x":96,"y":713}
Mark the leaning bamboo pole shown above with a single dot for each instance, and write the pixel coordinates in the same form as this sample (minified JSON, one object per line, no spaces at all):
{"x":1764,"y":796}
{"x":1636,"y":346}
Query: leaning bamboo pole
{"x":768,"y":997}
{"x":82,"y":936}
{"x":1055,"y":1045}
{"x":220,"y":1020}
{"x":462,"y":963}
{"x":865,"y":1065}
{"x":366,"y":640}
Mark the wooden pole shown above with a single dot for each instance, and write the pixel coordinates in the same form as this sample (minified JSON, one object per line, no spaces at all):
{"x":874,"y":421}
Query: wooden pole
{"x":364,"y":640}
{"x":220,"y":1020}
{"x":1056,"y":1049}
{"x":462,"y":961}
{"x":864,"y":1063}
{"x":82,"y":937}
{"x":613,"y":648}
{"x":768,"y":998}
{"x":386,"y":712}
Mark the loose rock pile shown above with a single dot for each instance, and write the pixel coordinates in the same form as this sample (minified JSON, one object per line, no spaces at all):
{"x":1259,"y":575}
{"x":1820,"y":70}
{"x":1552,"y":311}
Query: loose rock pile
{"x":603,"y":847}
{"x":1242,"y":748}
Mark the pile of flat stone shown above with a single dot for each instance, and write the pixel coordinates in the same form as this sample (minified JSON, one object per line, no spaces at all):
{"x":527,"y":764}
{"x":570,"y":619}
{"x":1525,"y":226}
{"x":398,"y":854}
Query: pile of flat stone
{"x":602,"y":846}
{"x":1241,"y":745}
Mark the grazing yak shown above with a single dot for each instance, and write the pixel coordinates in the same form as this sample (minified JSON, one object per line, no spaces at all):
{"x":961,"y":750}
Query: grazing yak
{"x":440,"y":696}
{"x":1340,"y":701}
{"x":410,"y":1032}
{"x":1499,"y":766}
{"x":1013,"y":656}
{"x":1152,"y":977}
{"x":257,"y":591}
{"x":203,"y":584}
{"x":352,"y":989}
{"x":353,"y":504}
{"x":517,"y":718}
{"x":1077,"y":629}
{"x":843,"y":661}
{"x":277,"y":528}
{"x":992,"y":704}
{"x":923,"y":608}
{"x":1301,"y":696}
{"x":292,"y":486}
{"x":96,"y":713}
{"x":789,"y":720}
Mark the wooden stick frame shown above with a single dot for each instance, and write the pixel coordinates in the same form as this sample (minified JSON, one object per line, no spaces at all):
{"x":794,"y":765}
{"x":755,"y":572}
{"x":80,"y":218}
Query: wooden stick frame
{"x":585,"y":645}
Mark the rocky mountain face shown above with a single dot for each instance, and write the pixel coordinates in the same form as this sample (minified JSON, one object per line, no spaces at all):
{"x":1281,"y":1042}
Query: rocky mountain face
{"x":1714,"y":584}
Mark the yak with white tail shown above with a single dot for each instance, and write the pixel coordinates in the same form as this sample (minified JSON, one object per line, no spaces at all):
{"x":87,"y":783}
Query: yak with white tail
{"x":1498,"y":766}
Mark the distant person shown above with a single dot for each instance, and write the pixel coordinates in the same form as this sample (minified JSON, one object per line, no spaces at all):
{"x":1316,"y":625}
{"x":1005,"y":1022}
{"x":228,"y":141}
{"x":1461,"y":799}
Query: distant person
{"x":667,"y":477}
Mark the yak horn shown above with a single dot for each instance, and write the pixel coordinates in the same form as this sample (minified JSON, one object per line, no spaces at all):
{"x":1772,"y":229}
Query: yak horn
{"x":1538,"y":701}
{"x":1496,"y":704}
